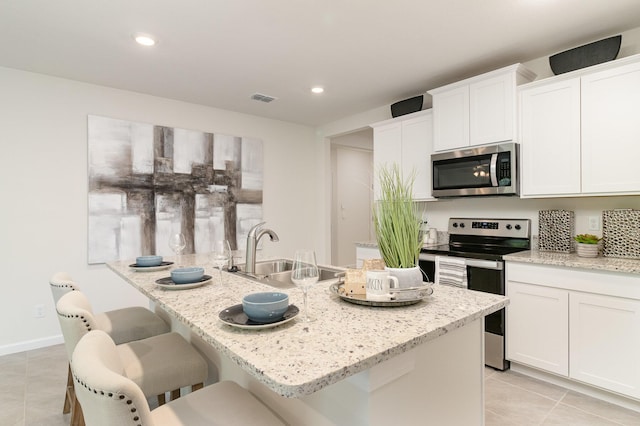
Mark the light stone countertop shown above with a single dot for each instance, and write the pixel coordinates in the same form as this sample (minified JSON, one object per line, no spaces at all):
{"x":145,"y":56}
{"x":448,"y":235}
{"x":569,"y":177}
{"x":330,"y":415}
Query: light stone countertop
{"x":572,"y":260}
{"x":296,"y":358}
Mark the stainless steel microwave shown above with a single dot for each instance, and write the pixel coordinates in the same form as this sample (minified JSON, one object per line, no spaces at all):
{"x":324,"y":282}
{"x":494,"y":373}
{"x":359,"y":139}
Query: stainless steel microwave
{"x":481,"y":170}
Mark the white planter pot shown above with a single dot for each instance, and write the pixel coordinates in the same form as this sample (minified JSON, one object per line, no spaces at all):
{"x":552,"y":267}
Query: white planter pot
{"x":407,"y":277}
{"x":587,"y":250}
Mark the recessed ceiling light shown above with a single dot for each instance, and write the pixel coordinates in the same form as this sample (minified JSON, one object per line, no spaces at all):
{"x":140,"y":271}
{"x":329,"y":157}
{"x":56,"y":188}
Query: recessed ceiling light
{"x":317,"y":89}
{"x":145,"y":39}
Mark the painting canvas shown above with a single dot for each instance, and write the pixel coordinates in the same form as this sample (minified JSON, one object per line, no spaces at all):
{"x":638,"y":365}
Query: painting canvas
{"x":147,"y":181}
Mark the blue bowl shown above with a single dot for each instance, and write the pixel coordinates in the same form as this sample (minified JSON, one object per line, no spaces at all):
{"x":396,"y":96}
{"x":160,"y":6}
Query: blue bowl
{"x":265,"y":307}
{"x":187,"y":275}
{"x":149,"y":260}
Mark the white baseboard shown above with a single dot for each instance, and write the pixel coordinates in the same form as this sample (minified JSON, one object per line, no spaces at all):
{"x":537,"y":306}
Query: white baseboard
{"x":613,"y":398}
{"x":31,"y":344}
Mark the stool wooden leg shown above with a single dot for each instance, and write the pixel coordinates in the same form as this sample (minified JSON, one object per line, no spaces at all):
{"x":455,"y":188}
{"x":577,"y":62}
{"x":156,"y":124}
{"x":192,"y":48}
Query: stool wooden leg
{"x":161,"y":399}
{"x":68,"y":394}
{"x":175,"y":394}
{"x":197,"y":386}
{"x":77,"y":418}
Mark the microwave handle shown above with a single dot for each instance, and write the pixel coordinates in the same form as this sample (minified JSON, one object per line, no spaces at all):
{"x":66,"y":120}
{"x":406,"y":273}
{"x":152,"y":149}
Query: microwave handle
{"x":494,"y":170}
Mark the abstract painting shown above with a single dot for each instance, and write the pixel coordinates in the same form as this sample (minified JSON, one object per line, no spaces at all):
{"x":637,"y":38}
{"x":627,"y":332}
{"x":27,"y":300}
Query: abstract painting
{"x":148,"y":181}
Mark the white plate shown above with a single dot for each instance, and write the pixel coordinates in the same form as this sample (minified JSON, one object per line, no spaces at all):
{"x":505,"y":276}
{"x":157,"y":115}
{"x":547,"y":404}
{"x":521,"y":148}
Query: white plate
{"x":235,"y":317}
{"x":168,"y":284}
{"x":163,"y":265}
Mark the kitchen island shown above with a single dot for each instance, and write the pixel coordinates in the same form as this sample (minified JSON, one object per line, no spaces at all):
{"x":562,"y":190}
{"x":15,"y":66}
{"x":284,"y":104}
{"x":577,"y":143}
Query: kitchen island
{"x":356,"y":365}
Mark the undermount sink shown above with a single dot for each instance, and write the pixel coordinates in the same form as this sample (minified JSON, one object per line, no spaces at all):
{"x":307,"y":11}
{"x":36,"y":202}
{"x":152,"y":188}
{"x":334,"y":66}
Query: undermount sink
{"x":277,"y":273}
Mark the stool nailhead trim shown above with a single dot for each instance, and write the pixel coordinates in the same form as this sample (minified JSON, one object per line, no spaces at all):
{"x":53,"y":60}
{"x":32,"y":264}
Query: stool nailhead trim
{"x":111,"y":395}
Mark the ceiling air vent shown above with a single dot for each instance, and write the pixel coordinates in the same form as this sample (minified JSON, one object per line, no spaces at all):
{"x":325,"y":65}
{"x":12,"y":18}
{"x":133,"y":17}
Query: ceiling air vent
{"x":262,"y":98}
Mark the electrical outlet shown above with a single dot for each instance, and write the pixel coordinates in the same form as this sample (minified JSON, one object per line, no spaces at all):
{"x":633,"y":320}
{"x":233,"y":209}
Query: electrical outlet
{"x":38,"y":311}
{"x":594,"y":223}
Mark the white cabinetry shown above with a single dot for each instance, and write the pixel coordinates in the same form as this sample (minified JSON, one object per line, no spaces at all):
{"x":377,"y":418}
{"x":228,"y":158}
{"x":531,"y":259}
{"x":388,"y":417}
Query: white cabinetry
{"x":550,"y":139}
{"x":576,"y":323}
{"x":479,"y":110}
{"x":605,"y":342}
{"x":408,"y":142}
{"x":610,"y":130}
{"x":578,"y":132}
{"x":538,"y":327}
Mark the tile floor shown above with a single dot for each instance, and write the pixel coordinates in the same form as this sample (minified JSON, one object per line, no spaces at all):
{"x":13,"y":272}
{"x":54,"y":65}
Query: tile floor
{"x":32,"y":393}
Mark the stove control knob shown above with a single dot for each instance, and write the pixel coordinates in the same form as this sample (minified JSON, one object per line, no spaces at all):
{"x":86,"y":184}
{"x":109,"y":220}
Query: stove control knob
{"x":455,"y":224}
{"x":509,"y":227}
{"x":462,"y":225}
{"x":518,"y":227}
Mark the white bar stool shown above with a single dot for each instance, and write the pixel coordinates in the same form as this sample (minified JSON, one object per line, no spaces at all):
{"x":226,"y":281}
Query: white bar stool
{"x":109,"y":398}
{"x":123,"y":325}
{"x":158,"y":364}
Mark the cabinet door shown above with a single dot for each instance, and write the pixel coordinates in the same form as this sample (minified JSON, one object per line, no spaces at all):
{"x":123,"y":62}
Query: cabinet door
{"x":417,"y":146}
{"x":605,"y":342}
{"x":610,"y":130}
{"x":387,"y":149}
{"x":550,"y":139}
{"x":451,"y":119}
{"x":537,"y":327}
{"x":491,"y":110}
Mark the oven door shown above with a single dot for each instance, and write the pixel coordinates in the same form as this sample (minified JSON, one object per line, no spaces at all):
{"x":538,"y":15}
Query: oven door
{"x":486,"y":276}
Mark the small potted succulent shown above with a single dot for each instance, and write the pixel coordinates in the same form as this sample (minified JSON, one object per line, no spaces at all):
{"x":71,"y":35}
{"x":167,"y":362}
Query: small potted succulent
{"x":587,"y":245}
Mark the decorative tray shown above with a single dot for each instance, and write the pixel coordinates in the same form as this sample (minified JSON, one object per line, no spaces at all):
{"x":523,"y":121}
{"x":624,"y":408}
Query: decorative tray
{"x":403,"y":297}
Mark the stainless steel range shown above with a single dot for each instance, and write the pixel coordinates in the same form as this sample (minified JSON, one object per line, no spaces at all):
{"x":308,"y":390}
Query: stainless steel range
{"x":482,"y":243}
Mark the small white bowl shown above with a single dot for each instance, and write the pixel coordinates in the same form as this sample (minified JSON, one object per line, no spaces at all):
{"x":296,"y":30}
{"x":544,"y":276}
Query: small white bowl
{"x":265,"y":307}
{"x":149,"y":260}
{"x":187,"y":275}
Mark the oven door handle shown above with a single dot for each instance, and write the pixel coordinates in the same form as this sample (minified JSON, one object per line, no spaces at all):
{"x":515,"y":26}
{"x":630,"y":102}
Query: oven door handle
{"x":474,"y":263}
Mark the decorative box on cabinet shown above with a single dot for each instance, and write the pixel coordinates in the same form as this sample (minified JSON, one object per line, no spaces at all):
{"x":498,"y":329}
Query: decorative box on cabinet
{"x":479,"y":110}
{"x":407,"y":141}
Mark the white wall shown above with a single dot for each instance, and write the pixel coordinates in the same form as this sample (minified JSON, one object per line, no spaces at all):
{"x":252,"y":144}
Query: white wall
{"x":43,"y":182}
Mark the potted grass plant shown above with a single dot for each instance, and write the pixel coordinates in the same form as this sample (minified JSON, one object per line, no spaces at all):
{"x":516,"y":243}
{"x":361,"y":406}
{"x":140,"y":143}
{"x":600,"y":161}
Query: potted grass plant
{"x":397,"y":226}
{"x":587,"y":245}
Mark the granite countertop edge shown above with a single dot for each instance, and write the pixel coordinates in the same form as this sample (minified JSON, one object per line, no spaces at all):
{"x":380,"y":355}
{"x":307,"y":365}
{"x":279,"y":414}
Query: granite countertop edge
{"x":572,"y":260}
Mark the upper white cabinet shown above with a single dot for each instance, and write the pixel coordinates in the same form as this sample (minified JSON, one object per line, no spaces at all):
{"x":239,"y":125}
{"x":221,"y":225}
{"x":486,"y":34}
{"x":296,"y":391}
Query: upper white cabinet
{"x":479,"y":110}
{"x":408,"y":142}
{"x":610,"y":130}
{"x":579,"y":132}
{"x":550,"y":139}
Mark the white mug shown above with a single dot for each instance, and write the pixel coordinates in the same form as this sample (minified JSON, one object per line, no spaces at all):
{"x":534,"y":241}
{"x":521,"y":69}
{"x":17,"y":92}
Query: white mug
{"x":379,"y":285}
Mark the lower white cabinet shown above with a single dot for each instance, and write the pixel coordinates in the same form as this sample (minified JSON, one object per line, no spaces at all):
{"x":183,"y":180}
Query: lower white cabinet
{"x":605,"y":342}
{"x":538,"y":327}
{"x":577,"y":323}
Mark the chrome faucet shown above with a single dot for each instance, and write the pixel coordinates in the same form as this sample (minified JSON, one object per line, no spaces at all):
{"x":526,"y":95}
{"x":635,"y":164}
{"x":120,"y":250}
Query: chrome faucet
{"x":253,"y":237}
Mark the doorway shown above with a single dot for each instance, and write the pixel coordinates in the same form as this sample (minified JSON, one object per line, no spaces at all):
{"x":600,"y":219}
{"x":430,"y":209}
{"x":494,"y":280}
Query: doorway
{"x":352,"y":195}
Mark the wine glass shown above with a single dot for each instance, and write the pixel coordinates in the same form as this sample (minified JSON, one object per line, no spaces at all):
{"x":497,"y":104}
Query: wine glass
{"x":304,"y":274}
{"x":177,"y":243}
{"x":220,"y":254}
